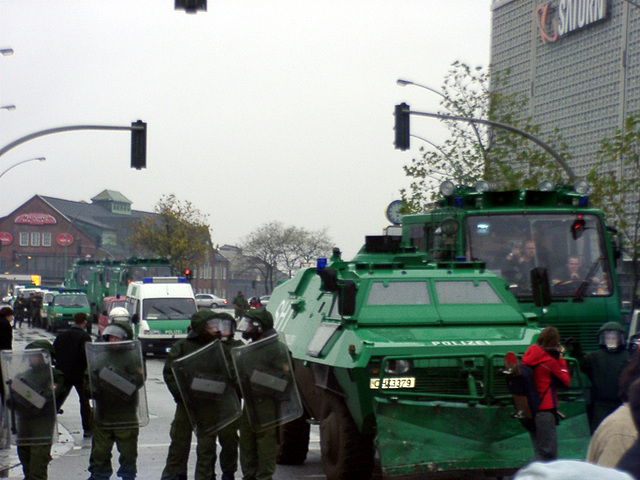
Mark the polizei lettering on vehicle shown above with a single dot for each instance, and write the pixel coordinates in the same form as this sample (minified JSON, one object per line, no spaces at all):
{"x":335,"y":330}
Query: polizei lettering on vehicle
{"x":459,"y":343}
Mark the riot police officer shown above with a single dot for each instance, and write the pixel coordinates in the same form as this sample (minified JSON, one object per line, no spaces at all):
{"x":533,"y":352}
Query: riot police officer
{"x":603,"y":367}
{"x":257,"y":449}
{"x":116,"y":379}
{"x":33,"y":415}
{"x":206,"y":327}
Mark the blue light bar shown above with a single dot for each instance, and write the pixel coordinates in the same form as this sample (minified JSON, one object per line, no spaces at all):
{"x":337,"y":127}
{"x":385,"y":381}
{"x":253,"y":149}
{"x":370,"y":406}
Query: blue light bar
{"x":147,"y":280}
{"x":321,"y":263}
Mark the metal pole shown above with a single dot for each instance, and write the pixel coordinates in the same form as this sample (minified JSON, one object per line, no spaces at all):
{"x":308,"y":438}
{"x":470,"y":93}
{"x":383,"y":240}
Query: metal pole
{"x":50,"y":131}
{"x":561,"y":161}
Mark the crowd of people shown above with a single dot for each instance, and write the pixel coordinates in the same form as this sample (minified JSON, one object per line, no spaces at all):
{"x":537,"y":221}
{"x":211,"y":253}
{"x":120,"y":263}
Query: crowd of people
{"x":111,"y":372}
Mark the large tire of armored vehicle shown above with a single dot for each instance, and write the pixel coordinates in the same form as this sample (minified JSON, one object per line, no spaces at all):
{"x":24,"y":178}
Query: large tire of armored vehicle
{"x":293,"y":442}
{"x":346,"y":453}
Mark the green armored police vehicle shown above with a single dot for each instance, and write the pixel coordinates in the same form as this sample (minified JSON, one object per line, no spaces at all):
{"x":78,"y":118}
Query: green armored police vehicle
{"x":400,"y":354}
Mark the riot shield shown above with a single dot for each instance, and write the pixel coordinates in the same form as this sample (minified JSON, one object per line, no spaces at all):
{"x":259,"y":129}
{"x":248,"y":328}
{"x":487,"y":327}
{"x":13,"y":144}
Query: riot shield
{"x":265,"y":375}
{"x":207,"y":388}
{"x":116,"y":382}
{"x":29,"y":390}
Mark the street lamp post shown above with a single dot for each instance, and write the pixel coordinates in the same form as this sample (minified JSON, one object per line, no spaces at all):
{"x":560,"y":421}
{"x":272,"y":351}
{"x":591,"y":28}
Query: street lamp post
{"x":40,"y":159}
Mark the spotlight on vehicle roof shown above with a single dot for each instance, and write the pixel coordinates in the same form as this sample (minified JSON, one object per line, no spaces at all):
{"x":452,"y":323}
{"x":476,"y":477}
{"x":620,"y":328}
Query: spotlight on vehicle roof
{"x":482,"y":186}
{"x":581,"y":186}
{"x":546,"y":186}
{"x":447,"y":188}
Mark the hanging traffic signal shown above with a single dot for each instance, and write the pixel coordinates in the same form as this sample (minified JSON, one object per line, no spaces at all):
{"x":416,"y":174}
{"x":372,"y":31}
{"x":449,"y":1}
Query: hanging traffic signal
{"x":188,"y":273}
{"x":139,"y":145}
{"x":402,"y":129}
{"x":191,"y":6}
{"x":578,"y":227}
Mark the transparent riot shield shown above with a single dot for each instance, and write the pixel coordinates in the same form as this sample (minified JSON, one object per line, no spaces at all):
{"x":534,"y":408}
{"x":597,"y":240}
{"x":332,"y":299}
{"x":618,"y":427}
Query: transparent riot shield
{"x":116,"y":382}
{"x":29,"y":393}
{"x":269,"y":390}
{"x":207,"y":388}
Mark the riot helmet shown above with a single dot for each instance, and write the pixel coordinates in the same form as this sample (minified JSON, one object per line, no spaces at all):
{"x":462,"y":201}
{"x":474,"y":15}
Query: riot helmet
{"x":119,"y":314}
{"x":117,"y":332}
{"x":254,"y":323}
{"x":199,"y":324}
{"x":611,"y":336}
{"x":43,"y":345}
{"x":221,"y":325}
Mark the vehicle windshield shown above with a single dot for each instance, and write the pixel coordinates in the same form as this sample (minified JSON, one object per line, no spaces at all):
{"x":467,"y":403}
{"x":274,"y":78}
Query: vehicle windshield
{"x":79,"y":300}
{"x":83,"y":275}
{"x":569,"y":246}
{"x":168,"y":308}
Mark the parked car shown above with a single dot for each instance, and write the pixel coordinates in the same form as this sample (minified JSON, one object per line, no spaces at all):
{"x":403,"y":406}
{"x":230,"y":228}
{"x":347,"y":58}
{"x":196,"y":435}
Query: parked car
{"x":209,"y":300}
{"x":264,"y":300}
{"x":63,"y":307}
{"x":108,"y":304}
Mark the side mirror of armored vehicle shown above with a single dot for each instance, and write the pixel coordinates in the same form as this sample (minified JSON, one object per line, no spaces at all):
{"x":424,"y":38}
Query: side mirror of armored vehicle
{"x":540,"y":287}
{"x":135,"y":318}
{"x":347,"y":298}
{"x":329,"y":277}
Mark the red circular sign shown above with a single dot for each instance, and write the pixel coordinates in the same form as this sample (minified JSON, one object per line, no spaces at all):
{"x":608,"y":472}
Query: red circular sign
{"x":5,"y":238}
{"x":65,"y":239}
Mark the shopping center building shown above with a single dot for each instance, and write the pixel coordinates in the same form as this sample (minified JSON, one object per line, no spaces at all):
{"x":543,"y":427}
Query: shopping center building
{"x":578,"y":62}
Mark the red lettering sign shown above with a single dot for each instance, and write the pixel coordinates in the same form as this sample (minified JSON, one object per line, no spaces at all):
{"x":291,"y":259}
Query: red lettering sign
{"x":5,"y":238}
{"x":36,"y":219}
{"x":64,"y":239}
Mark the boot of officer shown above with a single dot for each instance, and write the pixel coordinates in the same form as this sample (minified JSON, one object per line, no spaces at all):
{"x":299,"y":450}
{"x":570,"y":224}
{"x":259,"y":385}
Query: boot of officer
{"x":125,"y":438}
{"x":257,"y":449}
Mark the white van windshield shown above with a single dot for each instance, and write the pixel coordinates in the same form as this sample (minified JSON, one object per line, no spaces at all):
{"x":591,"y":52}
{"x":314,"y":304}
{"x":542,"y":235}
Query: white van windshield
{"x":168,"y":308}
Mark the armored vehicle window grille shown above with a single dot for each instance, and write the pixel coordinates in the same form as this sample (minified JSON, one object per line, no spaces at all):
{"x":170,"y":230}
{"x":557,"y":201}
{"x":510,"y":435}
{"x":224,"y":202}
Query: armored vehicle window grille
{"x":398,"y":293}
{"x":466,"y":291}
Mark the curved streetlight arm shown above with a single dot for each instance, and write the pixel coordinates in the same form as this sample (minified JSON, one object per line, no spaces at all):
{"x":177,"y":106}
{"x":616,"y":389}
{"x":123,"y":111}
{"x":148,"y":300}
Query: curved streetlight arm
{"x":40,"y":159}
{"x":50,"y":131}
{"x":561,"y":161}
{"x":404,"y":83}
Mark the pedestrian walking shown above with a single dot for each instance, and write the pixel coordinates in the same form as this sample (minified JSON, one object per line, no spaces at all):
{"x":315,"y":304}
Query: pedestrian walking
{"x":72,"y":360}
{"x":240,"y":304}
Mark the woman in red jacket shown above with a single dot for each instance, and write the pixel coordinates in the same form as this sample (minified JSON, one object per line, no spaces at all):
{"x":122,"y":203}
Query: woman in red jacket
{"x":550,"y":370}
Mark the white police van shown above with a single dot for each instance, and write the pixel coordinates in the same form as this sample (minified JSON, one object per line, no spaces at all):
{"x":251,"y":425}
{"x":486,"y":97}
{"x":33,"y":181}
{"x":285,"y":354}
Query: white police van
{"x":161,"y":310}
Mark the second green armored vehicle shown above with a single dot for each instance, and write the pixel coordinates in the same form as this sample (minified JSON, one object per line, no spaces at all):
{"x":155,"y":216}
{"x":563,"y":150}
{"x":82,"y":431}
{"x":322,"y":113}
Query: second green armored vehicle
{"x":399,"y":354}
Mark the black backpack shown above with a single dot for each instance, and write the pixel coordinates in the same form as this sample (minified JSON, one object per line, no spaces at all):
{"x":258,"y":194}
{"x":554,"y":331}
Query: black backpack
{"x":526,"y":398}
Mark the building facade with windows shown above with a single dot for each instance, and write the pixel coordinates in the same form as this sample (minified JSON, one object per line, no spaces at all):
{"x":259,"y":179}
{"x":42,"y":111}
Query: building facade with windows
{"x":46,"y":235}
{"x":577,"y":61}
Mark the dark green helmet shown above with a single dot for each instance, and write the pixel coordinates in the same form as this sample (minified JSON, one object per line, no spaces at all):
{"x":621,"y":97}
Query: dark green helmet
{"x":262,"y":316}
{"x":615,"y":326}
{"x":43,"y":344}
{"x":199,"y":322}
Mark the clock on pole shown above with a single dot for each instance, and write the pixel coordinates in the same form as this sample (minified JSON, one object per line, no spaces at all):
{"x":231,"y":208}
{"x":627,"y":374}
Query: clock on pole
{"x":394,"y":214}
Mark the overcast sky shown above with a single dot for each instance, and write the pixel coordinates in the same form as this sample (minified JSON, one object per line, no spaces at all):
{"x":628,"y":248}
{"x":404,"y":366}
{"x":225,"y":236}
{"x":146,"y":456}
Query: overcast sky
{"x":257,"y":110}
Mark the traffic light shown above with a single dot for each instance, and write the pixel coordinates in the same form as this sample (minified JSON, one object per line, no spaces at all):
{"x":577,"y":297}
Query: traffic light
{"x":578,"y":227}
{"x":402,"y":127}
{"x":138,"y":145}
{"x":188,"y":273}
{"x":191,"y":6}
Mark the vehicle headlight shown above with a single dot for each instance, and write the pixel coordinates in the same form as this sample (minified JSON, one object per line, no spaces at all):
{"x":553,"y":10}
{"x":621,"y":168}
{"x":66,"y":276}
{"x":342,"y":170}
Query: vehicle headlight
{"x":398,"y":367}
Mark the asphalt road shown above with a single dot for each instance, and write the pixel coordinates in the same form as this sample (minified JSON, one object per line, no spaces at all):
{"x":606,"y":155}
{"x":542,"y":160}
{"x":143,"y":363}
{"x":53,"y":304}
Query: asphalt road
{"x":71,"y":452}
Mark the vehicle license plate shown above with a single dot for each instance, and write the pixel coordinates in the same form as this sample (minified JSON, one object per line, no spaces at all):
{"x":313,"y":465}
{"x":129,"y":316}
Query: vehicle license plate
{"x":400,"y":382}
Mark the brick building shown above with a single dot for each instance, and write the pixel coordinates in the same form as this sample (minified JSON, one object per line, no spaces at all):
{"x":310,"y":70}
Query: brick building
{"x":46,"y":235}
